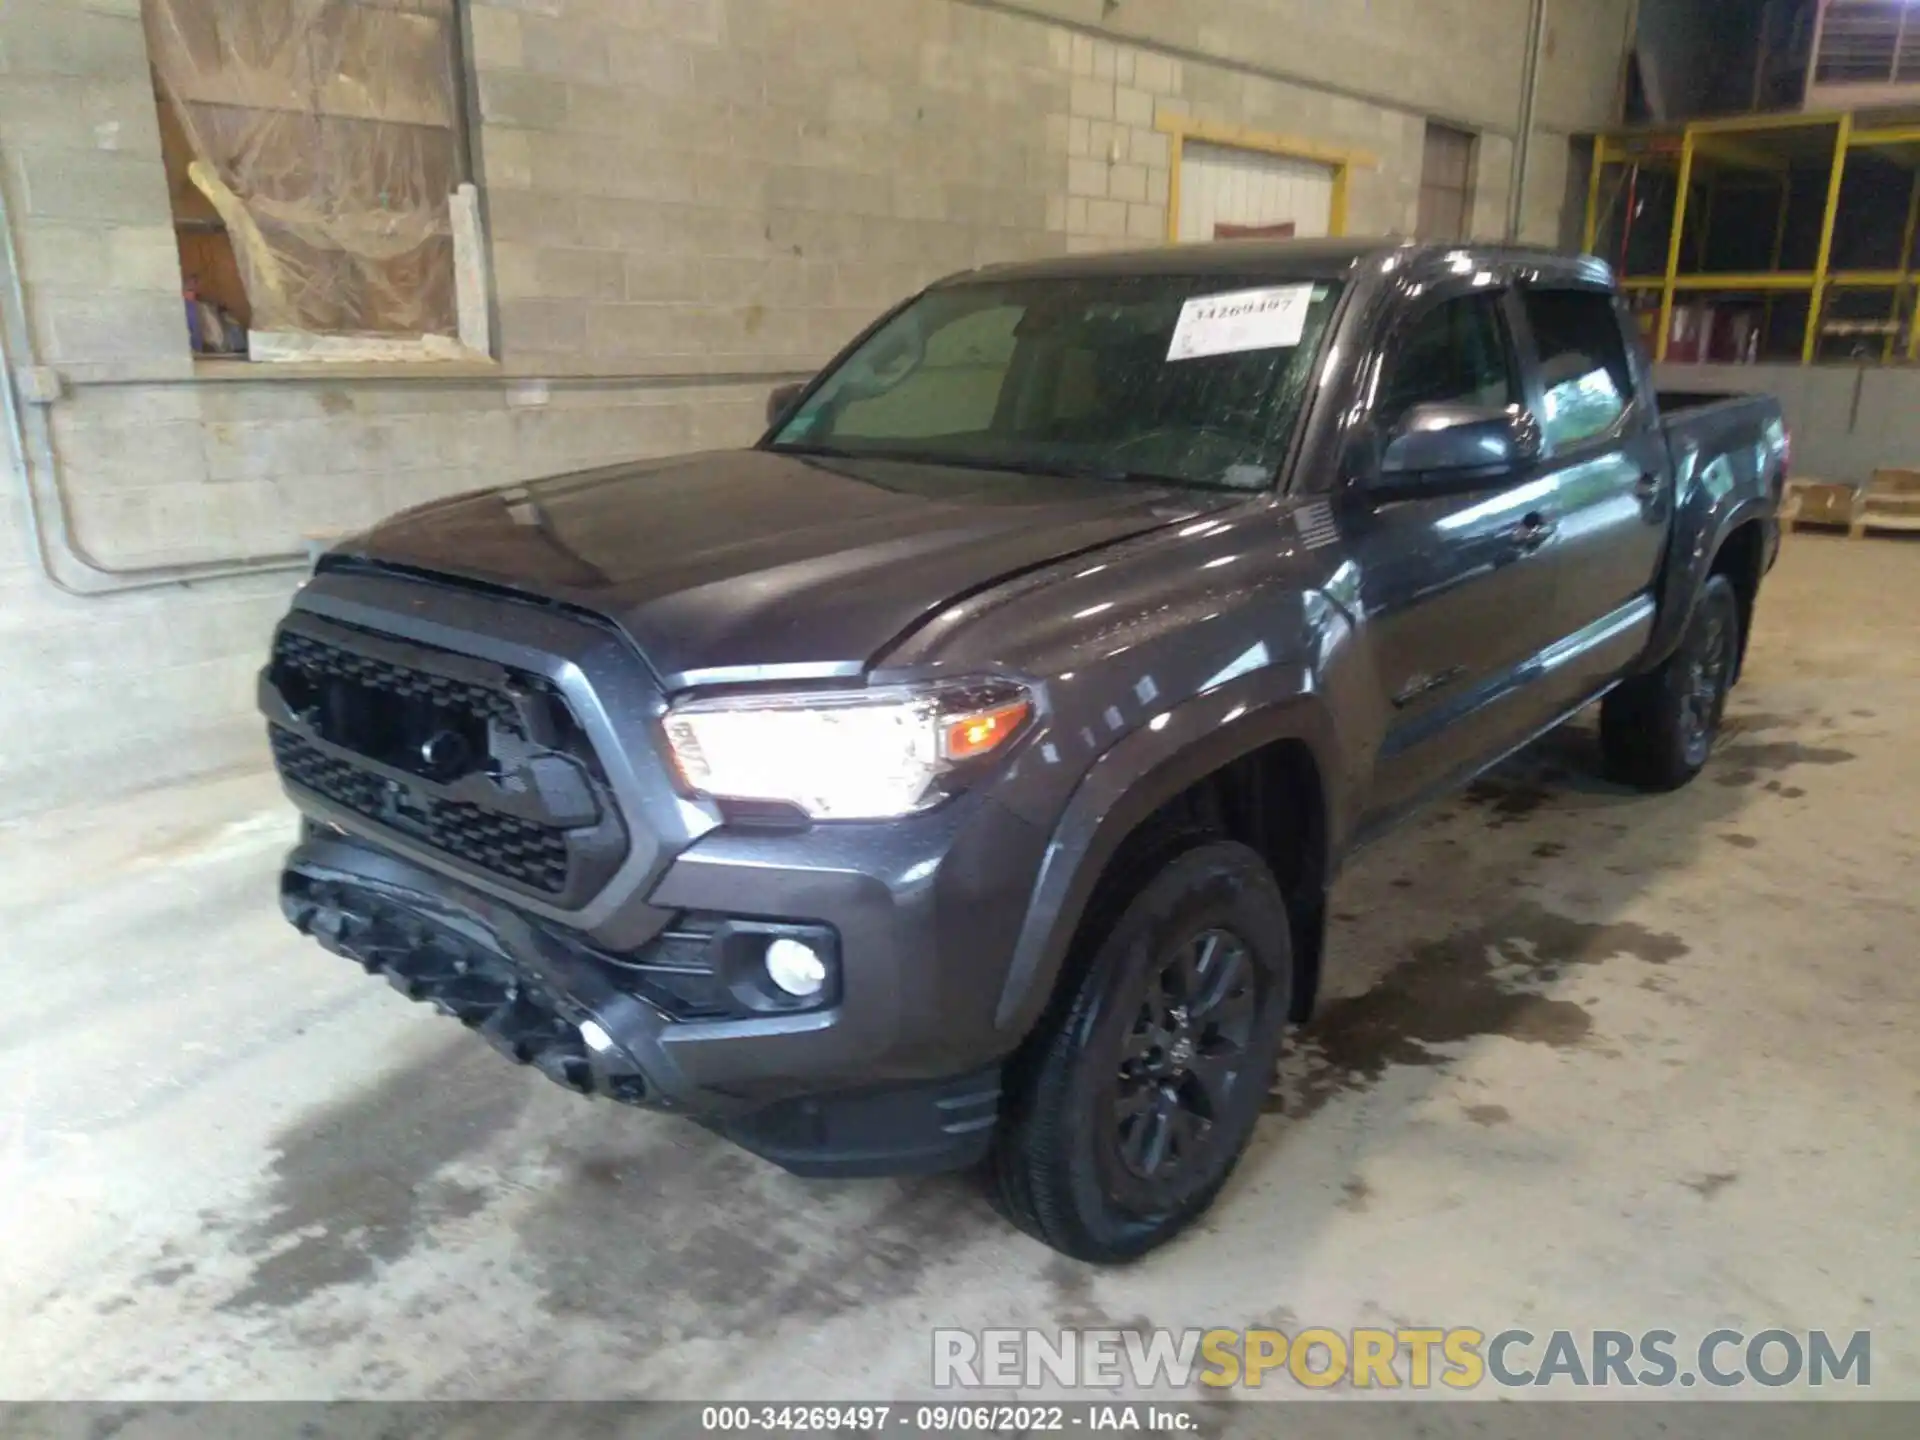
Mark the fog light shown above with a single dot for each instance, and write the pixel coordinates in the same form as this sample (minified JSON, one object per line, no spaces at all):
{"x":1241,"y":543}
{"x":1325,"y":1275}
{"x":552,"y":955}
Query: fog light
{"x":596,"y":1038}
{"x":795,"y":968}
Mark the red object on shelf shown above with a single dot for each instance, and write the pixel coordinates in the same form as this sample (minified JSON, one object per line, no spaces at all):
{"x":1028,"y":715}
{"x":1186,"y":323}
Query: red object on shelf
{"x":1687,"y":333}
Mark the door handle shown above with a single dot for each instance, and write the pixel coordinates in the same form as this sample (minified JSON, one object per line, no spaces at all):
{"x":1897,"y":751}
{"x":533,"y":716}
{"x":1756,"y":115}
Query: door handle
{"x":1532,"y":532}
{"x":1647,"y":486}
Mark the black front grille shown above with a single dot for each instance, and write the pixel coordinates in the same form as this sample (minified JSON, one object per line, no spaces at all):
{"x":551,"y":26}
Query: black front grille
{"x":533,"y":855}
{"x":318,"y":662}
{"x":484,"y":764}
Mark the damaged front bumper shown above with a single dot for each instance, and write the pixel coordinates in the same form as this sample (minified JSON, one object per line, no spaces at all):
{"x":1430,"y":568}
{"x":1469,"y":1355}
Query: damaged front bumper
{"x":619,"y":1027}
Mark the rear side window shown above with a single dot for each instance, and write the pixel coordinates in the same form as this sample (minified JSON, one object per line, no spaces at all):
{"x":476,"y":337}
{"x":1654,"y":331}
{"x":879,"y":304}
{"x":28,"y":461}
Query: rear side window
{"x":1583,"y":362}
{"x":1456,"y":353}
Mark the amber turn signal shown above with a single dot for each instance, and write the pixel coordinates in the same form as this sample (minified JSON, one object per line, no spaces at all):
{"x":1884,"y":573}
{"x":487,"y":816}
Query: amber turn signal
{"x":963,"y":737}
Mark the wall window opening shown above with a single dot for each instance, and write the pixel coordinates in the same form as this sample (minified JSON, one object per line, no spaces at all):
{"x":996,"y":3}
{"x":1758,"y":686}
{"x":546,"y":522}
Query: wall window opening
{"x":316,"y":159}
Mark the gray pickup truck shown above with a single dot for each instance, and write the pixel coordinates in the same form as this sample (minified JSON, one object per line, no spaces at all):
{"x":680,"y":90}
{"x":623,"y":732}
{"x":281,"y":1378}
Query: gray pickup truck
{"x":959,"y":773}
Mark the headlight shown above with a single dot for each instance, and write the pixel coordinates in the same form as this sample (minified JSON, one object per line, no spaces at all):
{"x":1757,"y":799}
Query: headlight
{"x":853,"y":755}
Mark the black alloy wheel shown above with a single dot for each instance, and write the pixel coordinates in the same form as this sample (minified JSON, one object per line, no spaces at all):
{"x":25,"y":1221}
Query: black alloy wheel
{"x":1185,"y":1053}
{"x":1657,"y":729}
{"x":1139,"y":1092}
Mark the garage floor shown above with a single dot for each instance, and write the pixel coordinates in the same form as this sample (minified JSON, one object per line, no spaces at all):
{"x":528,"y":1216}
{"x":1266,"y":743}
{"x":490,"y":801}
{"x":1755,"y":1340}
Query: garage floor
{"x":1594,"y":1060}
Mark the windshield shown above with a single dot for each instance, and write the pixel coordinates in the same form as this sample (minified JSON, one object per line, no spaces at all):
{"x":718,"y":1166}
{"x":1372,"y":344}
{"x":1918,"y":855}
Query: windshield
{"x":1191,"y":380}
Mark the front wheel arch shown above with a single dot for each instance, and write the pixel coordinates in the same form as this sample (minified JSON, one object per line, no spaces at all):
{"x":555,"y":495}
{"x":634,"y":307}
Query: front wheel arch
{"x":1117,"y":818}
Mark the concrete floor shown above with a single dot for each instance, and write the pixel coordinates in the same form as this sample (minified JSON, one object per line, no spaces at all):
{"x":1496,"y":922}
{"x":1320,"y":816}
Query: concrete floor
{"x":1594,"y":1060}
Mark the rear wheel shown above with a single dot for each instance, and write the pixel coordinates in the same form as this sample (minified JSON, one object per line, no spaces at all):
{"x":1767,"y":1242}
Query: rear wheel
{"x":1657,"y":729}
{"x":1144,"y":1092}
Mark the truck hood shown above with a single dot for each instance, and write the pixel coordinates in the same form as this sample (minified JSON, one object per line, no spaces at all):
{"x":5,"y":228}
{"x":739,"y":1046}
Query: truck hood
{"x":751,"y":565}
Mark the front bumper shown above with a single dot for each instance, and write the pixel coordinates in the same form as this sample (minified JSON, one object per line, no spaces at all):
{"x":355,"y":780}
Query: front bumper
{"x":847,"y":1089}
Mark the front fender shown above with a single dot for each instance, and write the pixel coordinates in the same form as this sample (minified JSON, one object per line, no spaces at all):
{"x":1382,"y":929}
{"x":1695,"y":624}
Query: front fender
{"x":1134,"y":779}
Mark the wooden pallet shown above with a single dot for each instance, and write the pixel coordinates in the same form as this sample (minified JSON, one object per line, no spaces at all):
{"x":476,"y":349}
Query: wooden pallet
{"x":1820,"y":505}
{"x":1843,"y":509}
{"x":1891,"y":513}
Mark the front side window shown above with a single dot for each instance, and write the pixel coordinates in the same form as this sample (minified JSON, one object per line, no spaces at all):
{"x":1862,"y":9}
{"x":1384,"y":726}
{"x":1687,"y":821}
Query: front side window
{"x":1183,"y":379}
{"x":1584,"y":373}
{"x":1456,"y":353}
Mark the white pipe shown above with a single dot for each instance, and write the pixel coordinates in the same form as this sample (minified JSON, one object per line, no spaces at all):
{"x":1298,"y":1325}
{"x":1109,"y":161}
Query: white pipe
{"x":1529,"y":101}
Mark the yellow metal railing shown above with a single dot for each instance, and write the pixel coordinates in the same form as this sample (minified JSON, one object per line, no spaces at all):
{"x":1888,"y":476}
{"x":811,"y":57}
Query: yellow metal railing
{"x":1714,"y":140}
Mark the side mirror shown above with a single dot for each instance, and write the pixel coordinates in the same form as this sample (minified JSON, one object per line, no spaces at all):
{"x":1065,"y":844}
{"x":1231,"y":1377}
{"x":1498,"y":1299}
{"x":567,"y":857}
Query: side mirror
{"x":780,"y":401}
{"x":1457,"y":442}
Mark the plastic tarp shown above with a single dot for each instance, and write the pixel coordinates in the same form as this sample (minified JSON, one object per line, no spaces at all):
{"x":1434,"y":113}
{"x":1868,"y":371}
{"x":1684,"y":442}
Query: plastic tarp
{"x":324,"y":133}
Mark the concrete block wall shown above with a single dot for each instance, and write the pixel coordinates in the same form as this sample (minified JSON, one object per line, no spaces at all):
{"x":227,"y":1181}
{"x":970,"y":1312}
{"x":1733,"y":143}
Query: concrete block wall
{"x":686,"y":201}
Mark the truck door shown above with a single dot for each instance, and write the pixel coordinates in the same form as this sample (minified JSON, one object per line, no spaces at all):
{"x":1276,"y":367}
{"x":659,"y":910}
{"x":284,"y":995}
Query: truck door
{"x":1455,"y":578}
{"x":1612,"y":481}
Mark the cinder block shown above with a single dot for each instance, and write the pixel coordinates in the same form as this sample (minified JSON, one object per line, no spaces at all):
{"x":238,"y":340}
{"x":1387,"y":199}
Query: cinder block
{"x":494,"y":39}
{"x":732,"y":76}
{"x":1149,"y":148}
{"x":506,"y":158}
{"x":629,"y":329}
{"x":570,"y":273}
{"x":62,"y":254}
{"x":1087,"y":177}
{"x":648,"y":64}
{"x":114,"y":458}
{"x":1127,"y":182}
{"x":1154,"y":73}
{"x":1132,"y":107}
{"x":1147,"y":222}
{"x":264,"y":450}
{"x":530,"y":216}
{"x":700,"y":21}
{"x":916,"y":198}
{"x":112,"y":325}
{"x":1092,"y":98}
{"x":62,"y":112}
{"x":95,"y":185}
{"x":858,"y":102}
{"x":542,"y":326}
{"x":533,"y":102}
{"x":40,"y":37}
{"x":143,"y":257}
{"x":654,"y":278}
{"x":1106,"y":217}
{"x":568,"y":49}
{"x":607,"y":222}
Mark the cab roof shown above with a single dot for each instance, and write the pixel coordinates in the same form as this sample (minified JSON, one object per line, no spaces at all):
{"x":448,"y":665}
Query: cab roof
{"x":1298,"y":260}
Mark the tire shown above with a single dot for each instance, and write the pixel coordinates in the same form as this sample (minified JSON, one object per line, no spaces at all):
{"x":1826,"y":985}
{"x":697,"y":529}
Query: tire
{"x":1140,"y":1095}
{"x":1657,"y":729}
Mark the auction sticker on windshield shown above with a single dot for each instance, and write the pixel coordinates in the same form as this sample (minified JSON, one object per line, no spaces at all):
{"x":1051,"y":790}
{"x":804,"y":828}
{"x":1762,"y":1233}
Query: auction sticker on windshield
{"x":1265,"y":319}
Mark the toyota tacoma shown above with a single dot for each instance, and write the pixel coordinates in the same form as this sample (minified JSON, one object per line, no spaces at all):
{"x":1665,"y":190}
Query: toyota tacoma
{"x":958,"y":774}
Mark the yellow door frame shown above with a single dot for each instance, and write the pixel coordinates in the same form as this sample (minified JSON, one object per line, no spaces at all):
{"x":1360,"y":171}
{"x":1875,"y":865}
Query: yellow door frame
{"x":1181,"y":128}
